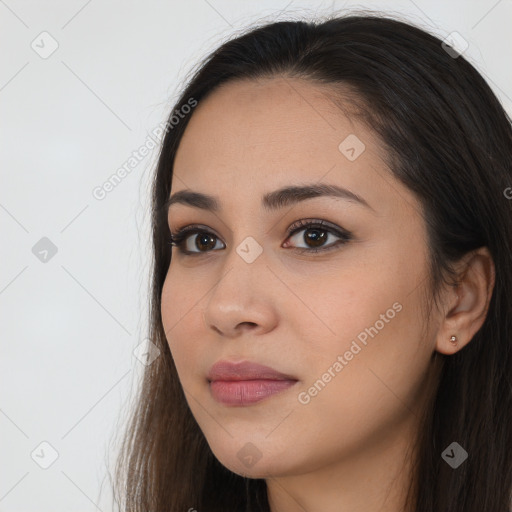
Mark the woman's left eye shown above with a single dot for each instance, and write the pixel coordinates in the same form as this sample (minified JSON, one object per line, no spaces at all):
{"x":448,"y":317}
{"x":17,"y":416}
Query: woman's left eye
{"x":315,"y":235}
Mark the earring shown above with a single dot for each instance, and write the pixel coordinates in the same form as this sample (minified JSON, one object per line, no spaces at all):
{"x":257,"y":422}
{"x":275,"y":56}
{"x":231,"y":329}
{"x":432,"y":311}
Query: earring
{"x":453,"y":339}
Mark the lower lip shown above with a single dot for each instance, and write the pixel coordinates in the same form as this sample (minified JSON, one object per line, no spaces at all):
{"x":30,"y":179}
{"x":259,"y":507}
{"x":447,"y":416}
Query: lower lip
{"x":247,"y":392}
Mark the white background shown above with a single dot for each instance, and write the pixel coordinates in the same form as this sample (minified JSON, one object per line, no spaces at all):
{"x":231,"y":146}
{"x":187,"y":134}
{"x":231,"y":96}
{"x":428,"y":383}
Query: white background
{"x":67,"y":123}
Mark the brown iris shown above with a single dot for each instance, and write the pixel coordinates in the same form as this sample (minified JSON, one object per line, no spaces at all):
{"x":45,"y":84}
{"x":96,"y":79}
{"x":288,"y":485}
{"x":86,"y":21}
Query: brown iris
{"x":207,"y":239}
{"x":314,"y":237}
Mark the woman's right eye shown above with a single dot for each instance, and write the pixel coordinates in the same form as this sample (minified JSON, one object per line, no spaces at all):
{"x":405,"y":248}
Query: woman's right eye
{"x":186,"y":243}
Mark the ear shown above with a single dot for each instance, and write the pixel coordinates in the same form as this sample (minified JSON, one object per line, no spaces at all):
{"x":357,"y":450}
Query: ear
{"x":467,"y":303}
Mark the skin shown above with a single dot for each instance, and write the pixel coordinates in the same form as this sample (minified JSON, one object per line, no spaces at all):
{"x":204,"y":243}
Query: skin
{"x":346,"y":448}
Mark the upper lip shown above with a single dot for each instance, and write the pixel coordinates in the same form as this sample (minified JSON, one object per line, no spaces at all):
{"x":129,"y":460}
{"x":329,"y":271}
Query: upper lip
{"x":245,"y":370}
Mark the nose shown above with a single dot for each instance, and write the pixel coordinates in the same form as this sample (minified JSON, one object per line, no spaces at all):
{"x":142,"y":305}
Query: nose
{"x":243,"y":300}
{"x":228,"y":328}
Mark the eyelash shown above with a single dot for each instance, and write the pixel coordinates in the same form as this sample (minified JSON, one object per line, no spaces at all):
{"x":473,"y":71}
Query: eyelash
{"x":178,"y":238}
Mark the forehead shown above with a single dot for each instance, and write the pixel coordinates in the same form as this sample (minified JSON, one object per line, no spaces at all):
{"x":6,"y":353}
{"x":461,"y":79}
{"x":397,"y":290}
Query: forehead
{"x":283,"y":115}
{"x":256,"y":136}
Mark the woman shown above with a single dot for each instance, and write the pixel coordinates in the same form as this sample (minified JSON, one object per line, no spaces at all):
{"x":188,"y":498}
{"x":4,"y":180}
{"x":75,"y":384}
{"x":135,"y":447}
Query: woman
{"x":332,"y":269}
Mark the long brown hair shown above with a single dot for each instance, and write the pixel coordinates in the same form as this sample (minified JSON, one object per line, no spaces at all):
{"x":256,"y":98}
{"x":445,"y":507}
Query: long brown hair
{"x":449,"y":140}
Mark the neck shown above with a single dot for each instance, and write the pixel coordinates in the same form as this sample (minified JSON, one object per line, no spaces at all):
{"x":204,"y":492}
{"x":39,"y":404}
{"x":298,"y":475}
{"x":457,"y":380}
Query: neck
{"x":375,"y":479}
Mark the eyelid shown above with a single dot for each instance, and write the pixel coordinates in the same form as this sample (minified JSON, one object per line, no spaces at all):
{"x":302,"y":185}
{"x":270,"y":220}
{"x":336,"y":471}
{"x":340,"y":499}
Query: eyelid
{"x":311,"y":223}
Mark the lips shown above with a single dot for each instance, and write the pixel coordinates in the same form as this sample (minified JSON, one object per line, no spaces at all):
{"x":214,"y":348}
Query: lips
{"x":246,"y":383}
{"x":246,"y":370}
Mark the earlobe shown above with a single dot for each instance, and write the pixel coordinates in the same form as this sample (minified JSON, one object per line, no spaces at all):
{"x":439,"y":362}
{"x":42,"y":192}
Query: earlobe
{"x":470,"y":300}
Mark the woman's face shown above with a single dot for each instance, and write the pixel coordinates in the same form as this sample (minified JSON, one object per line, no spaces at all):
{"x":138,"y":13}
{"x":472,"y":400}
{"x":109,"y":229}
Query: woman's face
{"x":344,"y":324}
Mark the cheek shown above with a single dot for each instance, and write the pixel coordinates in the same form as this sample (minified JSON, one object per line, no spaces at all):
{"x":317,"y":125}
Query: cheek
{"x":180,"y":301}
{"x":371,"y":315}
{"x":335,"y":307}
{"x":378,"y":382}
{"x":376,"y":299}
{"x":181,"y":321}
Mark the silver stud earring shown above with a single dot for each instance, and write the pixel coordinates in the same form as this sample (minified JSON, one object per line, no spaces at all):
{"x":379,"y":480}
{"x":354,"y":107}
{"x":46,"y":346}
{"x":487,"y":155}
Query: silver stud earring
{"x":453,"y":339}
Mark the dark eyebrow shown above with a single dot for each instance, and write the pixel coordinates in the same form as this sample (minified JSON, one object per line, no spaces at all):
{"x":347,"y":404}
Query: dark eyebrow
{"x":272,"y":201}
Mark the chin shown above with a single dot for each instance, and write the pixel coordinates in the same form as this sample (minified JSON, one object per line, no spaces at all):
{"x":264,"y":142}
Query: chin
{"x":251,"y":461}
{"x":259,"y":470}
